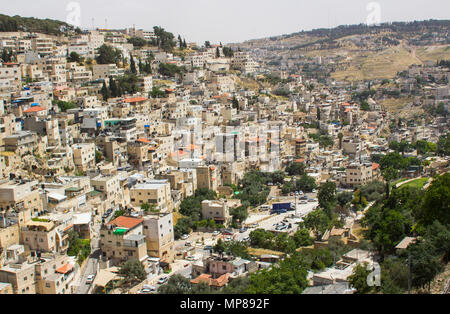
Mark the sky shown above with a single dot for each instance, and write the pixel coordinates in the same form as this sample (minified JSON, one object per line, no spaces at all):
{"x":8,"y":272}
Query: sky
{"x":227,"y":21}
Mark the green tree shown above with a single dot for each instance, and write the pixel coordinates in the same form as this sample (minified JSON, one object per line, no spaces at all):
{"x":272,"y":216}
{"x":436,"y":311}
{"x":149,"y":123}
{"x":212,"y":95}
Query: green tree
{"x":344,"y":198}
{"x":108,"y":55}
{"x":133,"y":65}
{"x":113,"y":87}
{"x":74,"y":57}
{"x":306,"y":183}
{"x":137,"y":42}
{"x":394,"y":276}
{"x":157,"y":93}
{"x":302,"y":237}
{"x":288,"y":278}
{"x":133,"y":271}
{"x":170,"y":70}
{"x":219,"y":247}
{"x":358,"y":279}
{"x":318,"y":221}
{"x":389,"y":174}
{"x":340,"y":136}
{"x":435,"y":205}
{"x":98,"y":156}
{"x":296,"y":168}
{"x":105,"y":92}
{"x":177,"y":284}
{"x":183,"y":226}
{"x":327,"y":197}
{"x":235,"y":103}
{"x":425,"y":264}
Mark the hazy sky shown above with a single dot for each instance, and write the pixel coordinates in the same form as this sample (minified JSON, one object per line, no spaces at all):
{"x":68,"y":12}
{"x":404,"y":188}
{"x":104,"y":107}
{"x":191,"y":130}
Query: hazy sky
{"x":228,"y":20}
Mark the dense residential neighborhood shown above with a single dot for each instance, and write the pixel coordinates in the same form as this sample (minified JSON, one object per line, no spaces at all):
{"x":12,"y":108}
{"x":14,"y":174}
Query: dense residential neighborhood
{"x":136,"y":162}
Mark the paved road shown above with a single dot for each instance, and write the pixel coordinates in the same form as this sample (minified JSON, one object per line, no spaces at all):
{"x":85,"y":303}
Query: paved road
{"x":92,"y":263}
{"x":91,"y":269}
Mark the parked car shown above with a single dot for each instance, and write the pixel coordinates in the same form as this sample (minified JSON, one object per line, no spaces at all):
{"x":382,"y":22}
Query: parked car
{"x":208,"y":247}
{"x":188,"y":243}
{"x":255,"y":225}
{"x":216,"y":233}
{"x":227,"y":232}
{"x":246,"y":238}
{"x":311,"y":200}
{"x":184,"y":236}
{"x":191,"y":258}
{"x":314,"y":191}
{"x":242,"y":230}
{"x":228,"y":239}
{"x":90,"y":279}
{"x":163,"y":280}
{"x":149,"y":287}
{"x":144,"y":291}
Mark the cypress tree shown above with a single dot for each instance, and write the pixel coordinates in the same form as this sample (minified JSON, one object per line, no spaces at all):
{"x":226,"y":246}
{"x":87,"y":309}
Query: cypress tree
{"x":141,"y":66}
{"x":133,"y":66}
{"x":113,"y":87}
{"x":105,"y":92}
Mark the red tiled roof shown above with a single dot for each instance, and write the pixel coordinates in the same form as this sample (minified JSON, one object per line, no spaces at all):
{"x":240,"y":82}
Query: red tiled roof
{"x":126,"y":222}
{"x":345,"y":104}
{"x":206,"y":278}
{"x":375,"y":166}
{"x":34,"y":109}
{"x":135,"y":99}
{"x":68,"y":227}
{"x":300,"y":160}
{"x":143,"y":140}
{"x":64,"y":269}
